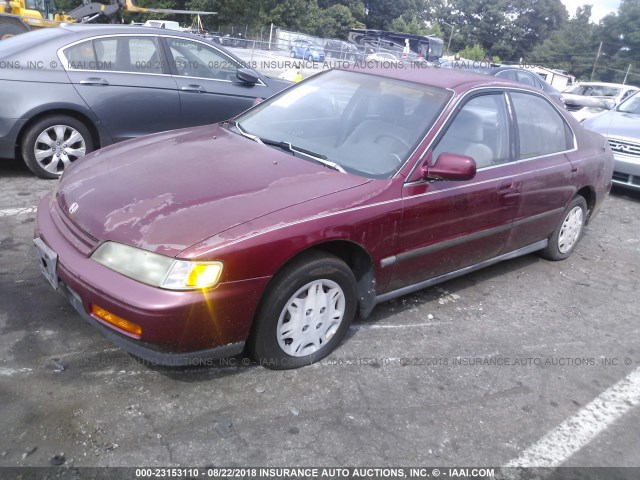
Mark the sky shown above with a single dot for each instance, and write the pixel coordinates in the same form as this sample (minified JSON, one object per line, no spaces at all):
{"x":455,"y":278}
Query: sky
{"x":601,"y":8}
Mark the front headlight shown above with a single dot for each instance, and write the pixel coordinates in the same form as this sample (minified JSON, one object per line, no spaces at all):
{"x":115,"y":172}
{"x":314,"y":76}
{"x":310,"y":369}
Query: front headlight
{"x":158,"y":270}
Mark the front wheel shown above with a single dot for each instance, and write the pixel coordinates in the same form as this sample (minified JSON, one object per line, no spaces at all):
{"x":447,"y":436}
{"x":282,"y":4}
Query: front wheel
{"x":305,"y":314}
{"x":565,"y":237}
{"x":51,"y":144}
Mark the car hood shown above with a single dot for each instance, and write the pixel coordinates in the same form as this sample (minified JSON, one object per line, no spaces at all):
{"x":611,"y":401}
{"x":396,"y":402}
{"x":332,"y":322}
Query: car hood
{"x":615,"y":124}
{"x":168,"y":191}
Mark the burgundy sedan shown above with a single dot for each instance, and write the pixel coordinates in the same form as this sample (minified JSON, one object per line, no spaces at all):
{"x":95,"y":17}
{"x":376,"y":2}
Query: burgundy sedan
{"x":273,"y":230}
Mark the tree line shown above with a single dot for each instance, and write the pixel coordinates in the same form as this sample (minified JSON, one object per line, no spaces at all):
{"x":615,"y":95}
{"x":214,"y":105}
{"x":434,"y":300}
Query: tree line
{"x":510,"y":31}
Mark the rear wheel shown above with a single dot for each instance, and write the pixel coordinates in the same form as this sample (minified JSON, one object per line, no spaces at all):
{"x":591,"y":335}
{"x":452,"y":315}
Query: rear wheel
{"x":565,"y":237}
{"x":305,"y":313}
{"x":50,"y":145}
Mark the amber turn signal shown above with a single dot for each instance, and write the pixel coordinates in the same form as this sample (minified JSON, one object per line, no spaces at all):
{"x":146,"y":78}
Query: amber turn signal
{"x":116,"y":321}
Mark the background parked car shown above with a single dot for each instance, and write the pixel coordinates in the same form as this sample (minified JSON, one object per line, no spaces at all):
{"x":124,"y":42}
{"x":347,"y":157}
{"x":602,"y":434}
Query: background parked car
{"x":622,"y":128}
{"x":343,"y":50}
{"x":307,"y":51}
{"x":591,"y":98}
{"x":383,"y":57}
{"x":236,"y":40}
{"x":80,"y":87}
{"x":510,"y":72}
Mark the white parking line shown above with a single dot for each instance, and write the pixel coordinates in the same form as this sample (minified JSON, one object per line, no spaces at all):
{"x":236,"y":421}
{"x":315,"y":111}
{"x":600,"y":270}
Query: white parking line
{"x":357,"y":326}
{"x":574,"y":433}
{"x":8,"y":212}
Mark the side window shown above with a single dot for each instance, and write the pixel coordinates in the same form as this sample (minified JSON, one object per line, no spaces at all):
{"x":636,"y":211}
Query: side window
{"x":480,"y":131}
{"x":527,"y":79}
{"x":626,"y":94}
{"x":81,"y":56}
{"x":194,"y":59}
{"x":144,"y":55}
{"x":116,"y":54}
{"x":508,"y":74}
{"x":541,"y":129}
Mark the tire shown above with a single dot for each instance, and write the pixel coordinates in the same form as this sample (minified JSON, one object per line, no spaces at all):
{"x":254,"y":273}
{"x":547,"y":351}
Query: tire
{"x":568,"y":232}
{"x":274,"y":342}
{"x":55,"y":130}
{"x":292,"y":54}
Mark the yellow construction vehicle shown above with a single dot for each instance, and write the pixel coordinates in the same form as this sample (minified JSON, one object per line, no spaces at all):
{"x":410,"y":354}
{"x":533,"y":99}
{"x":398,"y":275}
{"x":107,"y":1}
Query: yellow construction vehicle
{"x":19,"y":16}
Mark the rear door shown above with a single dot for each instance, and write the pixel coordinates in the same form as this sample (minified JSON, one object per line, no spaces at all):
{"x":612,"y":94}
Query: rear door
{"x":206,"y":77}
{"x":544,"y":171}
{"x":124,"y":79}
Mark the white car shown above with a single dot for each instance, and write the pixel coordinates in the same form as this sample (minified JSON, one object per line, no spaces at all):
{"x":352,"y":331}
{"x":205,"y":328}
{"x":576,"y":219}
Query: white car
{"x":587,"y":99}
{"x":383,"y":57}
{"x":621,"y":126}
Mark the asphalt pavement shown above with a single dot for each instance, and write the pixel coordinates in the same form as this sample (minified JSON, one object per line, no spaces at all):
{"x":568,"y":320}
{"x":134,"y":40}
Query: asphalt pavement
{"x":503,"y":365}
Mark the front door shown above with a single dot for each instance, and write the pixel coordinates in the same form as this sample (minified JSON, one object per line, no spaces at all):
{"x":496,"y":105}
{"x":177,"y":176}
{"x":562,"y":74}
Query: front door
{"x":449,"y":225}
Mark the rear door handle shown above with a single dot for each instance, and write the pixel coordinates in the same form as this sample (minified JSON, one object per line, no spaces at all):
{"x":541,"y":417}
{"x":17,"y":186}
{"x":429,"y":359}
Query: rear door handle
{"x":193,"y":88}
{"x":94,"y":81}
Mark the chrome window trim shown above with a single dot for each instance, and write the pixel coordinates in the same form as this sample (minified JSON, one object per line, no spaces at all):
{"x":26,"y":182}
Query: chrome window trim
{"x":505,"y":90}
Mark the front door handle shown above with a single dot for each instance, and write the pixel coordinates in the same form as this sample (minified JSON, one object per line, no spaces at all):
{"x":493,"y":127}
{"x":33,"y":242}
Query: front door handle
{"x":193,"y":88}
{"x":100,"y":82}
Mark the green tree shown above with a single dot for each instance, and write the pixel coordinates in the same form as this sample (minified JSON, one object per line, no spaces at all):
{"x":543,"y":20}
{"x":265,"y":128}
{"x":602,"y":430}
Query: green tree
{"x":507,"y":28}
{"x":572,"y":48}
{"x":356,"y":7}
{"x":380,"y":13}
{"x":473,"y":53}
{"x":620,"y":34}
{"x":335,"y":22}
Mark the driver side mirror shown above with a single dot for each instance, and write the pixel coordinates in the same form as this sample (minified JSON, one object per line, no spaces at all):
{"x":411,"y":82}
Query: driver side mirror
{"x":609,"y":104}
{"x":450,"y":166}
{"x":248,"y":76}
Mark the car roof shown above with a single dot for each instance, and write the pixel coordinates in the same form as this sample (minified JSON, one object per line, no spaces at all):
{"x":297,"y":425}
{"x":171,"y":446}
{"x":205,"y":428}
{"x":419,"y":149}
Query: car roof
{"x":443,"y":77}
{"x":606,"y":84}
{"x":111,"y":29}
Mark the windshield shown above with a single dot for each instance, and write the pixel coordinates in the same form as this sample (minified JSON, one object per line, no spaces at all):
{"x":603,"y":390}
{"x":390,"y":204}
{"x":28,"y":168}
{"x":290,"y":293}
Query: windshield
{"x":631,"y":105}
{"x":364,"y":124}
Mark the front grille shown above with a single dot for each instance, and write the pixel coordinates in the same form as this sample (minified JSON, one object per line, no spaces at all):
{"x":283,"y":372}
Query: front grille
{"x":625,"y":147}
{"x":573,"y":108}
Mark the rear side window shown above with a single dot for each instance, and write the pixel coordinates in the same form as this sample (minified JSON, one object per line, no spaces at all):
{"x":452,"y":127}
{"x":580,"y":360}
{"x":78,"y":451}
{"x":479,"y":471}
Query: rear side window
{"x":115,"y":54}
{"x":541,"y":129}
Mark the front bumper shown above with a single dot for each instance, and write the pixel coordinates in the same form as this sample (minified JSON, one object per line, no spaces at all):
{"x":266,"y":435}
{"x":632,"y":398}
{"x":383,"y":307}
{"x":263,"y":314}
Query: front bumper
{"x":178,"y":327}
{"x":626,"y":170}
{"x":147,"y":352}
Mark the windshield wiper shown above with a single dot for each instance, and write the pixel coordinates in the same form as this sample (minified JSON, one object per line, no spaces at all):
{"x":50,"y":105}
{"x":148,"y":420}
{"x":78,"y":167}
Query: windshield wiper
{"x":236,"y":124}
{"x":307,"y":153}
